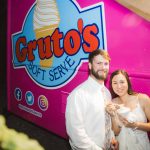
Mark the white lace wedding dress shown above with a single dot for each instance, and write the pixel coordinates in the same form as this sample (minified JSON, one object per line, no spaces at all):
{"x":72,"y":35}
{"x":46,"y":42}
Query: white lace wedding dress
{"x":130,"y":139}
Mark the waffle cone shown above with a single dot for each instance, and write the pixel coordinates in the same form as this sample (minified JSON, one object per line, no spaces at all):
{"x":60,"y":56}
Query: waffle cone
{"x":45,"y":31}
{"x":41,"y":33}
{"x":46,"y":63}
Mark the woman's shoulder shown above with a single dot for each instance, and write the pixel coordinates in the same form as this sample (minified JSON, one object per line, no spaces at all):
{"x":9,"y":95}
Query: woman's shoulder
{"x":144,"y":98}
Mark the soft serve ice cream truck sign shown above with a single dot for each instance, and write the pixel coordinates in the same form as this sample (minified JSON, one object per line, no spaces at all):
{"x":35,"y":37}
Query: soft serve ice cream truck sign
{"x":48,"y":53}
{"x":56,"y":37}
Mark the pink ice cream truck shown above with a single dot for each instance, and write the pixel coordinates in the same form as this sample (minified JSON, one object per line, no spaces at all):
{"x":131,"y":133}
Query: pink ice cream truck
{"x":48,"y":46}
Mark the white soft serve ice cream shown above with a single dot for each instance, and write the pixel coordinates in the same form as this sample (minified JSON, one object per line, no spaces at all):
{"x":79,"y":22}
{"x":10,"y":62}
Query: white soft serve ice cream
{"x":45,"y":20}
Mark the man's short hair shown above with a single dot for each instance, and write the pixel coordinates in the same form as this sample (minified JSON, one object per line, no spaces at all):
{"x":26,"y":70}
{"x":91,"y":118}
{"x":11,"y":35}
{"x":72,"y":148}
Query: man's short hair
{"x":104,"y":53}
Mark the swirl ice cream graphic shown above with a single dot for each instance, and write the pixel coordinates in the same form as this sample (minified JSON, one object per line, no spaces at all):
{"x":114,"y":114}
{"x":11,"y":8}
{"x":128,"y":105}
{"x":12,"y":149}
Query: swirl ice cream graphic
{"x":56,"y":39}
{"x":45,"y":20}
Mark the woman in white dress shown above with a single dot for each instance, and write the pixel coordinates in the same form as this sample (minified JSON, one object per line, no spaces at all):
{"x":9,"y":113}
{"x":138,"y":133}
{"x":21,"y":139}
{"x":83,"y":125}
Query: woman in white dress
{"x":130,"y":113}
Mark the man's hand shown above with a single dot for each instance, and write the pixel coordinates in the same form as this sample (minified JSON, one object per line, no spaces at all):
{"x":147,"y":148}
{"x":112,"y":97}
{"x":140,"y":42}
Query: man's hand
{"x":114,"y":144}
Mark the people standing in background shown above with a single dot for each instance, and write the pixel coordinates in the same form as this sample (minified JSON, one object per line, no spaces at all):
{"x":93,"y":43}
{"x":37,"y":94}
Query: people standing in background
{"x":131,"y":118}
{"x":87,"y":123}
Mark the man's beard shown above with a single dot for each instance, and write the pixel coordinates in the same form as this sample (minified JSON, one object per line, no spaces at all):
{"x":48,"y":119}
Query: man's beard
{"x":97,"y":76}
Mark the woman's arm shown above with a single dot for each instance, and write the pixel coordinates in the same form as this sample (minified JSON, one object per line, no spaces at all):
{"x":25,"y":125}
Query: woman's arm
{"x":111,"y":110}
{"x":115,"y":124}
{"x":144,"y":101}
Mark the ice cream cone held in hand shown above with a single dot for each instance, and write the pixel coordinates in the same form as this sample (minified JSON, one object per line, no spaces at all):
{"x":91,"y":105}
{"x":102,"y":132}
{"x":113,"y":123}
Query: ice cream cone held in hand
{"x":45,"y":20}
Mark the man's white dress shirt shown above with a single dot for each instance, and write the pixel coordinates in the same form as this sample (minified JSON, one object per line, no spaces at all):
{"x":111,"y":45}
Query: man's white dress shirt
{"x":85,"y":116}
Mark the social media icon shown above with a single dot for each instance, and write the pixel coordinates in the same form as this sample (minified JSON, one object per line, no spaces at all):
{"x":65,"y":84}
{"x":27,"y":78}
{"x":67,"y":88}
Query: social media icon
{"x":29,"y":98}
{"x":43,"y":102}
{"x":18,"y":94}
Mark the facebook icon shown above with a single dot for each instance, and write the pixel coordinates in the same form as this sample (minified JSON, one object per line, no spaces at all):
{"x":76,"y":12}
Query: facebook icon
{"x":18,"y":94}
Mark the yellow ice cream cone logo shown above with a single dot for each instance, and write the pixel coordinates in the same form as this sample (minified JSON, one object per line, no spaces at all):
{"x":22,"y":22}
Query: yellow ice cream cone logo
{"x":45,"y":20}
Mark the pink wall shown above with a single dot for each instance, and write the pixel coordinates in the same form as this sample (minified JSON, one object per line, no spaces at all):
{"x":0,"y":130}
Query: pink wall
{"x":127,"y":42}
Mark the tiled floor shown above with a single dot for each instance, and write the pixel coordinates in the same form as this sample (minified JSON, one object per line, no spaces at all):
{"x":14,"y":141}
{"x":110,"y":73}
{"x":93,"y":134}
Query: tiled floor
{"x":48,"y":140}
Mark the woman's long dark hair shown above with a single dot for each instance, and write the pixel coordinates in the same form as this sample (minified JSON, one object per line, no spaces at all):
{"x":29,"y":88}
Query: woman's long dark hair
{"x":124,"y":73}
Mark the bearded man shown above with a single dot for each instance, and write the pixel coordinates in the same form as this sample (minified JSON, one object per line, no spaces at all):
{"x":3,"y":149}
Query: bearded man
{"x":87,"y":123}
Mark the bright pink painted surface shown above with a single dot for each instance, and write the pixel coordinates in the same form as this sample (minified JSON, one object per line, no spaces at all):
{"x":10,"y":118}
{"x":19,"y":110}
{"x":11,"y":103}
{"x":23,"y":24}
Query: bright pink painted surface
{"x":128,"y":43}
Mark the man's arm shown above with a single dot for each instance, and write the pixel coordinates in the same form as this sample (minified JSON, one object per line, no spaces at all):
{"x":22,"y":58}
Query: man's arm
{"x":75,"y":113}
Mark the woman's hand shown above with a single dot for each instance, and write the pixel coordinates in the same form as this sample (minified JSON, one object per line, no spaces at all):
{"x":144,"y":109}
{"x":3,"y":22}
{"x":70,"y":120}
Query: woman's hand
{"x":127,"y":123}
{"x":111,"y":108}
